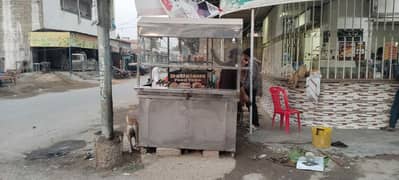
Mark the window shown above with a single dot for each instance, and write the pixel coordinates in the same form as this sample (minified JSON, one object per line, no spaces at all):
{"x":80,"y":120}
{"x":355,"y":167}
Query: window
{"x":72,"y":6}
{"x":85,"y":8}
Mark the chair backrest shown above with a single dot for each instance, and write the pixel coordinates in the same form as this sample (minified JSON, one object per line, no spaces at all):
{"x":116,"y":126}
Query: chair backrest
{"x":276,"y":92}
{"x":285,"y":97}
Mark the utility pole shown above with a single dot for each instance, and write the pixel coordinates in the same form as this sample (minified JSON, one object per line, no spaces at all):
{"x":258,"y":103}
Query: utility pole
{"x":105,"y":67}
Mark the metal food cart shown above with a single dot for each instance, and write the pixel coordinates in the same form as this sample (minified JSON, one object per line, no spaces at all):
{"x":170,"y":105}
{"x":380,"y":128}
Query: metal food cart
{"x":184,"y":109}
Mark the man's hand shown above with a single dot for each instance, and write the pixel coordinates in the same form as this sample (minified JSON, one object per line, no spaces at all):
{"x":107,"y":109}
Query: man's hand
{"x":244,"y":98}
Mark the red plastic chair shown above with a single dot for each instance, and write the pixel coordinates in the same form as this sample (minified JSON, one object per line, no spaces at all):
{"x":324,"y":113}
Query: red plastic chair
{"x":284,"y":112}
{"x":278,"y":109}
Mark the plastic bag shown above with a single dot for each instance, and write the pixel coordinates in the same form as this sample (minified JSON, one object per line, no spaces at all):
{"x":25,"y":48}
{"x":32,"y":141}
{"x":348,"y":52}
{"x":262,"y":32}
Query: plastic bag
{"x":189,"y":9}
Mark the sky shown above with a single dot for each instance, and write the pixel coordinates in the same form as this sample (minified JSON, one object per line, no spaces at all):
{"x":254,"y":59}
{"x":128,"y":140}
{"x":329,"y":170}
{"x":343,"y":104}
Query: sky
{"x":126,"y":18}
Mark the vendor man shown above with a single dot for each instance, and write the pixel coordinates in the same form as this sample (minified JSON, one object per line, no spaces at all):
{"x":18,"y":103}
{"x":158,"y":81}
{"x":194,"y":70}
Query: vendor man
{"x":256,"y":85}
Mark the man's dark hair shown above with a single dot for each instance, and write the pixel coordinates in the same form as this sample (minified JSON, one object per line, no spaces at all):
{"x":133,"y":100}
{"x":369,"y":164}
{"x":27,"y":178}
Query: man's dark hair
{"x":247,"y":52}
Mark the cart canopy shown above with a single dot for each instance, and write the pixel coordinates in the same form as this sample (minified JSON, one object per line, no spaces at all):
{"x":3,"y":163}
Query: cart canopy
{"x":189,"y":28}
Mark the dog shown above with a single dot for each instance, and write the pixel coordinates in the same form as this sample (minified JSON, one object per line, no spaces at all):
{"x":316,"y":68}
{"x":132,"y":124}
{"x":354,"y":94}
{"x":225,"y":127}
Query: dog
{"x":132,"y":129}
{"x":301,"y":73}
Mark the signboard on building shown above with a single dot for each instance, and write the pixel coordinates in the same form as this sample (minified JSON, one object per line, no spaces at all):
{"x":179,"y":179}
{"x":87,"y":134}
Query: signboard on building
{"x":391,"y":51}
{"x":346,"y":51}
{"x":83,"y":41}
{"x":68,"y":39}
{"x":62,"y":39}
{"x":49,"y":39}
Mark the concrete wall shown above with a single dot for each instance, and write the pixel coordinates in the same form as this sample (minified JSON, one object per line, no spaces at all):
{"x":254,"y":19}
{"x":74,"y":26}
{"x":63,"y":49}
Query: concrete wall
{"x":380,"y":7}
{"x":56,"y":19}
{"x":272,"y":52}
{"x":14,"y":32}
{"x":37,"y":14}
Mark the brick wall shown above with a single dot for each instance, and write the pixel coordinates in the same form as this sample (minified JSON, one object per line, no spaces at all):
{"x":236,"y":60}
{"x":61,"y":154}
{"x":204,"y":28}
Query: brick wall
{"x":347,"y":105}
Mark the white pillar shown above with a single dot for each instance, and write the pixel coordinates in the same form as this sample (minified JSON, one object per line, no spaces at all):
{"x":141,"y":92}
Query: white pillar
{"x":251,"y":66}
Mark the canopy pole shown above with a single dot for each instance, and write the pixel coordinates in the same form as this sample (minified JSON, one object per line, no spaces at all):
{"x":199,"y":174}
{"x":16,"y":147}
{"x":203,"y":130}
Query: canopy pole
{"x":70,"y":58}
{"x":251,"y":66}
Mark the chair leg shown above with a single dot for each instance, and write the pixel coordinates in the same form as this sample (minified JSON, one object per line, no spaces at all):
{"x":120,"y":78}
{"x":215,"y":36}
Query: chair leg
{"x":299,"y":122}
{"x":274,"y":117}
{"x":281,"y":120}
{"x":287,"y":123}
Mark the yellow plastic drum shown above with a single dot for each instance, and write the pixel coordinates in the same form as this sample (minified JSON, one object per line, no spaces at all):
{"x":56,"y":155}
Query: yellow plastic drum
{"x":321,"y":137}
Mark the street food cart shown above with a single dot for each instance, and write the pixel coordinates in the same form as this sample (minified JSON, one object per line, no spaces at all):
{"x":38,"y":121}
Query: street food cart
{"x":183,"y":108}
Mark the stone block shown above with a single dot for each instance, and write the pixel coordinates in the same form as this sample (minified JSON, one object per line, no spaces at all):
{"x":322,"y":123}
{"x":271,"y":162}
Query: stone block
{"x":168,"y":152}
{"x":210,"y":154}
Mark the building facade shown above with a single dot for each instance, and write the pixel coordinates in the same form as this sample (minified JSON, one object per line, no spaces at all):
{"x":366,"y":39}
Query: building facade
{"x":352,"y":44}
{"x":35,"y":31}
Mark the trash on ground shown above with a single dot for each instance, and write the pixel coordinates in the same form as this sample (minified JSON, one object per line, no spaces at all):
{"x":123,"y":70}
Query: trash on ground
{"x":339,"y":144}
{"x":254,"y":157}
{"x":312,"y":163}
{"x":326,"y":160}
{"x":262,"y":156}
{"x":337,"y":161}
{"x":89,"y":156}
{"x":309,"y":154}
{"x":294,"y":155}
{"x":281,"y":160}
{"x":258,"y":157}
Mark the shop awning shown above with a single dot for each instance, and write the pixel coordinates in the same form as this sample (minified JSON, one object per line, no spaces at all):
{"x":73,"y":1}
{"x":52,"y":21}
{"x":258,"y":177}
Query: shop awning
{"x":178,"y":27}
{"x":231,"y":6}
{"x":62,"y":39}
{"x":50,"y":39}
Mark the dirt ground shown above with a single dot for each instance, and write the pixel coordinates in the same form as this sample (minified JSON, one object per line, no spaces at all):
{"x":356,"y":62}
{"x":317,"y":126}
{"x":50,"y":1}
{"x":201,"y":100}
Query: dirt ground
{"x":77,"y":163}
{"x":32,"y":84}
{"x":271,"y":169}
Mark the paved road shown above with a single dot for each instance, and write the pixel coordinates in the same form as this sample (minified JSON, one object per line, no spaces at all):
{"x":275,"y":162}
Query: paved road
{"x":55,"y":116}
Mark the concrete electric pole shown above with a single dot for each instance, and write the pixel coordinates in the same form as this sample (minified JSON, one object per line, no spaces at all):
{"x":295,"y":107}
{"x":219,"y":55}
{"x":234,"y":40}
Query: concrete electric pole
{"x":105,"y":67}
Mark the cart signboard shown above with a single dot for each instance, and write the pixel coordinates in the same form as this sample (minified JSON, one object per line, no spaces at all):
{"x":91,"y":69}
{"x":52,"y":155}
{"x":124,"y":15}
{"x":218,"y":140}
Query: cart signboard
{"x":188,"y":79}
